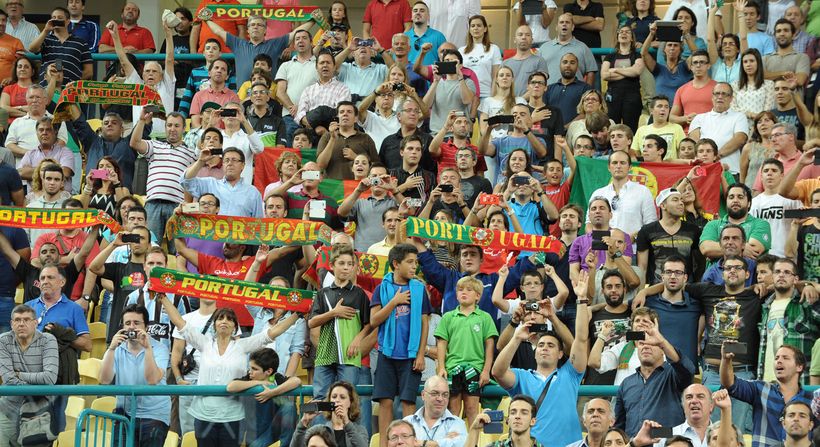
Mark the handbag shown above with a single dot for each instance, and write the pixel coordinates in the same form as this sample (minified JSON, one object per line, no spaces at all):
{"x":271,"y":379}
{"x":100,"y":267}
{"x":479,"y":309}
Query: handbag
{"x":187,"y":362}
{"x":37,"y":426}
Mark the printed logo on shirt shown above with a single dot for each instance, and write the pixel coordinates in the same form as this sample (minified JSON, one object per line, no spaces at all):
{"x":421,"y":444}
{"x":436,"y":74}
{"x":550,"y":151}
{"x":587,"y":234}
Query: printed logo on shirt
{"x":476,"y":328}
{"x":135,"y":279}
{"x":402,"y":310}
{"x":159,"y":331}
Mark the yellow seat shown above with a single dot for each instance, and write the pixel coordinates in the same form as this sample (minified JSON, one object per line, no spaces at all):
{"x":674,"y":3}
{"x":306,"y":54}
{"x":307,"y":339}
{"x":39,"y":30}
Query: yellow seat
{"x":275,"y":444}
{"x":98,"y":332}
{"x":73,"y":408}
{"x":89,"y":371}
{"x":66,"y":439}
{"x":172,"y":440}
{"x":189,"y":439}
{"x":374,"y":440}
{"x":105,"y":403}
{"x":747,"y":440}
{"x":94,"y":124}
{"x":487,"y":438}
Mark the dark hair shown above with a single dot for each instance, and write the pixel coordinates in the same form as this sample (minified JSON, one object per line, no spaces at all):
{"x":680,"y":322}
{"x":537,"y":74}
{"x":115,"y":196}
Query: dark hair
{"x":354,"y":411}
{"x":533,"y":274}
{"x":14,"y":78}
{"x":325,"y":52}
{"x":623,"y":434}
{"x":72,"y":202}
{"x":6,"y":15}
{"x":264,"y":58}
{"x":766,"y":113}
{"x":787,"y":261}
{"x":711,"y":144}
{"x":799,"y":356}
{"x":135,"y":309}
{"x":409,"y":138}
{"x":235,"y":150}
{"x":782,"y":21}
{"x":345,"y":20}
{"x":455,"y":53}
{"x":119,"y":204}
{"x":795,"y":401}
{"x":216,"y":199}
{"x":703,"y":53}
{"x":609,"y":274}
{"x":266,"y":358}
{"x":680,"y":438}
{"x":212,"y":40}
{"x":323,"y":432}
{"x":674,"y":257}
{"x":226,"y":312}
{"x":767,"y":259}
{"x":266,"y":75}
{"x":746,"y":190}
{"x":527,"y":168}
{"x":63,"y":10}
{"x":602,"y":199}
{"x":137,"y":209}
{"x":596,"y":121}
{"x":628,"y":156}
{"x":22,"y":308}
{"x":97,"y":183}
{"x":657,"y":98}
{"x":772,"y":161}
{"x":730,"y":226}
{"x":351,"y":104}
{"x":485,"y":41}
{"x":503,"y":218}
{"x":391,"y":209}
{"x":573,"y":207}
{"x":694,"y":22}
{"x":527,"y":399}
{"x":214,"y":130}
{"x":554,"y":335}
{"x":51,"y":167}
{"x":301,"y":131}
{"x":399,"y":252}
{"x":755,"y":6}
{"x":181,"y":10}
{"x":740,"y":259}
{"x":651,"y":10}
{"x":732,"y":37}
{"x":660,"y":142}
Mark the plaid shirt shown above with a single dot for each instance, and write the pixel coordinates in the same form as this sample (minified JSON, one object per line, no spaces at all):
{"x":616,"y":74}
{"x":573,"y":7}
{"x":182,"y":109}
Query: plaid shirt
{"x":508,"y":443}
{"x":802,"y":323}
{"x":767,"y":404}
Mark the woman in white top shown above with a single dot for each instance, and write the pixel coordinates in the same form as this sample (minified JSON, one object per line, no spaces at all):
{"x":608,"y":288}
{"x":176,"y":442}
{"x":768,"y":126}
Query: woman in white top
{"x":501,"y":102}
{"x":223,"y":359}
{"x":481,"y":56}
{"x":240,"y":134}
{"x":753,"y":94}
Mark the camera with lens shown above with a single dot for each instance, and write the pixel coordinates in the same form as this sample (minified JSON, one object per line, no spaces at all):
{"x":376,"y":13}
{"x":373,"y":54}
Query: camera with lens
{"x":532,"y":307}
{"x":131,"y":334}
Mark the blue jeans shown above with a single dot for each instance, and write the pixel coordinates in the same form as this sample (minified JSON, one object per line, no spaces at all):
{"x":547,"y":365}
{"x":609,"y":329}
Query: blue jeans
{"x":290,"y":127}
{"x":148,"y":432}
{"x":159,"y":211}
{"x":741,"y":411}
{"x":324,"y":376}
{"x":6,"y":306}
{"x":216,"y":434}
{"x":366,"y":418}
{"x":105,"y":307}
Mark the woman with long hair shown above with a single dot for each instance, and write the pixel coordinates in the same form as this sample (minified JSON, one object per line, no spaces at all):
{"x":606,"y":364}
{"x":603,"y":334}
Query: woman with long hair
{"x":622,"y":70}
{"x":343,"y":421}
{"x":615,"y":437}
{"x":480,"y":55}
{"x":360,"y":167}
{"x":694,"y":212}
{"x":13,"y":99}
{"x":501,"y":102}
{"x":643,"y":13}
{"x":724,"y":51}
{"x":753,"y":94}
{"x":336,"y":15}
{"x":102,"y":193}
{"x":224,"y":358}
{"x":758,"y":148}
{"x":517,"y":161}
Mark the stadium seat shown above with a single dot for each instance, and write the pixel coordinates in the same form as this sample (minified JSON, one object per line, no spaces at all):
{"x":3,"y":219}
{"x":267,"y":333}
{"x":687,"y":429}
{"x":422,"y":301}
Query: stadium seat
{"x":276,"y":444}
{"x":172,"y":440}
{"x":98,"y":332}
{"x":374,"y":440}
{"x":105,"y":403}
{"x":189,"y":440}
{"x":89,"y":371}
{"x":73,"y":408}
{"x":487,"y":438}
{"x":66,"y":439}
{"x":94,"y":124}
{"x":747,"y":440}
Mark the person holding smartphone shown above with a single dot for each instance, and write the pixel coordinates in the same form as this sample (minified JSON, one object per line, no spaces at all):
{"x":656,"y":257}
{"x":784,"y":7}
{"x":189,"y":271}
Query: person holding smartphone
{"x":56,"y":44}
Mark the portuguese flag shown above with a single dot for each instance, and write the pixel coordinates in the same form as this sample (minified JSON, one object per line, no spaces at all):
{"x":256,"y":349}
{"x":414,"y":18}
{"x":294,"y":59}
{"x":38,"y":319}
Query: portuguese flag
{"x":264,"y":173}
{"x":592,"y":174}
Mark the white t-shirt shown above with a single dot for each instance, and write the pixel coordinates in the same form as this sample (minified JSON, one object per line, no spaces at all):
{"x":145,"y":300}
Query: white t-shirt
{"x":610,"y":358}
{"x":379,"y":127}
{"x":721,"y":127}
{"x":771,"y":208}
{"x":166,"y":91}
{"x":539,"y":33}
{"x":298,"y":75}
{"x":481,"y":62}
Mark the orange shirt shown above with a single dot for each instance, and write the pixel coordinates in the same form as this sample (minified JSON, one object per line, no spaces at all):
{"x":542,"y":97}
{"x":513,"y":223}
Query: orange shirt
{"x":229,"y":25}
{"x":9,"y":46}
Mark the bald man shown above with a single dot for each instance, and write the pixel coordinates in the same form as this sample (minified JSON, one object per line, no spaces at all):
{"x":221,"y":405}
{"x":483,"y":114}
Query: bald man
{"x":433,"y":422}
{"x":598,"y":418}
{"x":697,"y":404}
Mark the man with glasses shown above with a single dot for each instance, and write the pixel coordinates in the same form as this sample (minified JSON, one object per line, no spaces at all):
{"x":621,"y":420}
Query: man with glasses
{"x":434,"y":424}
{"x":567,"y":91}
{"x":22,"y":136}
{"x":18,"y":26}
{"x":729,"y":129}
{"x":27,"y":357}
{"x":410,"y":117}
{"x":584,"y":146}
{"x":524,"y":62}
{"x":695,"y":96}
{"x":401,"y":433}
{"x":383,"y":121}
{"x":238,"y":197}
{"x":261,"y":115}
{"x":631,"y":202}
{"x":786,"y":319}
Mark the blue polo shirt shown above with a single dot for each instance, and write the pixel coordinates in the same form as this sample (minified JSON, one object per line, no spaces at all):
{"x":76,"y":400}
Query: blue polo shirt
{"x":432,"y":36}
{"x":362,"y":80}
{"x":678,"y":322}
{"x":65,"y":312}
{"x":129,"y":369}
{"x":668,"y":83}
{"x":556,"y":422}
{"x":245,"y":51}
{"x":566,"y":97}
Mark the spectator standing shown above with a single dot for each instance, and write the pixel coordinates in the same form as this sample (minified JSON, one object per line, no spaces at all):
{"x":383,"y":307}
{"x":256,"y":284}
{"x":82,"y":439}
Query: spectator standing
{"x":298,"y":201}
{"x":748,"y":14}
{"x":81,"y":27}
{"x":236,"y":195}
{"x":10,"y":47}
{"x":182,"y":69}
{"x":217,"y":91}
{"x":199,"y":77}
{"x":22,"y":137}
{"x":588,"y":20}
{"x":789,"y":107}
{"x":110,"y":142}
{"x":368,"y":212}
{"x":135,"y":358}
{"x":802,"y":236}
{"x":293,"y":76}
{"x":322,"y":96}
{"x":134,"y":38}
{"x":698,"y":404}
{"x":672,"y":133}
{"x":539,"y":24}
{"x":17,"y":25}
{"x":567,"y":42}
{"x":200,"y":34}
{"x":11,"y":185}
{"x":238,"y":132}
{"x":479,"y":55}
{"x":450,"y":139}
{"x":521,"y":136}
{"x":448,"y":92}
{"x":673,"y":73}
{"x":786,"y":61}
{"x":422,"y":33}
{"x":339,"y":146}
{"x":771,"y":206}
{"x":695,"y":96}
{"x":383,"y":121}
{"x":524,"y":62}
{"x":264,"y":119}
{"x":568,"y":92}
{"x":732,"y":243}
{"x":385,"y":18}
{"x":727,"y":128}
{"x":49,"y":148}
{"x":757,"y":231}
{"x":413,"y":180}
{"x":453,"y":18}
{"x":622,"y":70}
{"x":410,"y":118}
{"x":472,"y":184}
{"x":22,"y":76}
{"x":752,"y":93}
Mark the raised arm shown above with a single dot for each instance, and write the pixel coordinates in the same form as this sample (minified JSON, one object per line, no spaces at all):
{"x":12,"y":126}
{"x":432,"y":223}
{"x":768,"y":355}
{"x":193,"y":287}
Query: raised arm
{"x":127,"y":68}
{"x":501,"y":368}
{"x":37,"y":44}
{"x":787,"y":188}
{"x":580,"y":346}
{"x":136,"y":141}
{"x":172,"y":312}
{"x":169,"y":49}
{"x":218,"y":30}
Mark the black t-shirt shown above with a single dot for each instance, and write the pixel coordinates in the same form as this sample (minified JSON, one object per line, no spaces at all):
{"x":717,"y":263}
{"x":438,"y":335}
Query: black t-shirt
{"x":30,"y":276}
{"x":592,"y":39}
{"x":622,"y":324}
{"x":473,"y":186}
{"x":808,"y":261}
{"x":729,"y":317}
{"x":126,"y":278}
{"x":284,"y":267}
{"x":391,"y":146}
{"x":9,"y":182}
{"x":662,"y":245}
{"x":524,"y":357}
{"x":548,"y":128}
{"x":453,"y":208}
{"x":627,"y":84}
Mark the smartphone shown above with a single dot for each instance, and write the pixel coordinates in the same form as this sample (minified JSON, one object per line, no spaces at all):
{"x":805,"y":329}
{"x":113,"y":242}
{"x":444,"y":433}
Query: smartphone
{"x":229,"y":113}
{"x":735,"y":348}
{"x":191,"y":208}
{"x":817,"y":156}
{"x":500,"y":119}
{"x":445,"y":187}
{"x":489,"y":199}
{"x":668,"y":31}
{"x":131,"y":238}
{"x":414,"y":203}
{"x":445,"y":68}
{"x":539,"y":328}
{"x":58,"y":65}
{"x":311,"y":175}
{"x":598,"y":240}
{"x":317,"y":209}
{"x":57,"y":22}
{"x":801,"y":213}
{"x":660,"y":432}
{"x":635,"y":335}
{"x":496,"y":422}
{"x":151,"y":108}
{"x":315,"y":407}
{"x":216,"y":151}
{"x":364,"y":42}
{"x":519,"y":180}
{"x":101,"y":174}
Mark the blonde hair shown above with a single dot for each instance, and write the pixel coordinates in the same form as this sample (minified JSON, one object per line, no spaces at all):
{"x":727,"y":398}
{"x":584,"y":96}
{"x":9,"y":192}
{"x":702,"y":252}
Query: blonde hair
{"x":471,"y":283}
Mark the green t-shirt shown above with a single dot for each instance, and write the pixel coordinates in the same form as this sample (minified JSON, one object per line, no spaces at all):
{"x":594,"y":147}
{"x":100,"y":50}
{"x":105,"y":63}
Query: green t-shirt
{"x":815,"y":359}
{"x":465,"y":336}
{"x":754,"y":228}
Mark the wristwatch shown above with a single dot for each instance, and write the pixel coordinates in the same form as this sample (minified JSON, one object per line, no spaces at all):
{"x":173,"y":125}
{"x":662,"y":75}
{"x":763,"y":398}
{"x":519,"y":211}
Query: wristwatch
{"x":86,"y":297}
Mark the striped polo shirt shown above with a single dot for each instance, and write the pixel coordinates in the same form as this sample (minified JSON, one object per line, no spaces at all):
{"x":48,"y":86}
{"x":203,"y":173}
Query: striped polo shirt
{"x":73,"y":53}
{"x":166,"y":164}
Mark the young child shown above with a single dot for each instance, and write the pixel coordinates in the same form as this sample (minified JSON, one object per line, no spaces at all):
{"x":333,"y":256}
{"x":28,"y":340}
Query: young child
{"x":532,"y":286}
{"x":465,"y":337}
{"x":339,"y":320}
{"x":400,"y":309}
{"x":262,"y":367}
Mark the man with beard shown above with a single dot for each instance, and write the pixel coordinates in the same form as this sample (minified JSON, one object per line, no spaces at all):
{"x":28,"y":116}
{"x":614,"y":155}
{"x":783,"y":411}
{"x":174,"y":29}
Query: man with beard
{"x":553,"y":51}
{"x":524,"y":62}
{"x":472,"y":184}
{"x":616,"y":312}
{"x":664,"y":374}
{"x":670,"y":235}
{"x":757,"y":231}
{"x":732,"y":314}
{"x":135,"y":38}
{"x":433,"y":422}
{"x":771,"y":400}
{"x":785,"y":62}
{"x":458,"y":128}
{"x":678,"y":313}
{"x":521,"y":421}
{"x":798,"y":423}
{"x":597,"y":418}
{"x":409,"y":116}
{"x":786,"y":319}
{"x":567,"y":91}
{"x":732,"y":241}
{"x":422,"y":33}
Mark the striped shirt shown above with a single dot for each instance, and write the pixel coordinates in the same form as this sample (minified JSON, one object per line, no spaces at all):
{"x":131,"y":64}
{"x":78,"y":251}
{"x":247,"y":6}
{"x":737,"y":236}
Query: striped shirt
{"x":73,"y":53}
{"x":194,"y":84}
{"x":166,"y":164}
{"x":25,"y":31}
{"x":319,"y":94}
{"x":37,"y":365}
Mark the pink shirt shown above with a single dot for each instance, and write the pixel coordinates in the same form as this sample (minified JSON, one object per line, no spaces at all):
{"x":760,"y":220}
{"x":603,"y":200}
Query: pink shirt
{"x":201,"y":97}
{"x":694,"y":100}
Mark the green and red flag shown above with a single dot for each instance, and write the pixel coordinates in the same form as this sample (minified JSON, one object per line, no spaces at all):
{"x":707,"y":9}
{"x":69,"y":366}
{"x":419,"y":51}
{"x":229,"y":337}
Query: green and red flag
{"x":248,"y":230}
{"x":95,"y":92}
{"x":592,"y":174}
{"x":208,"y":287}
{"x":55,"y":218}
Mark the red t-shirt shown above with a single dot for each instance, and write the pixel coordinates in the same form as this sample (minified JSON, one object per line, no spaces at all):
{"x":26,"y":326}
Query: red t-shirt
{"x":137,"y":37}
{"x":387,"y":20}
{"x":694,"y":100}
{"x":17,"y":96}
{"x":560,"y":197}
{"x":211,"y":265}
{"x":205,"y":33}
{"x":447,"y":159}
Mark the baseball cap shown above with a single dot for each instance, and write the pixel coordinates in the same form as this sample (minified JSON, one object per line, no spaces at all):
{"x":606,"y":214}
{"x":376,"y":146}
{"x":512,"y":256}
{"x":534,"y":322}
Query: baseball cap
{"x":663,"y":195}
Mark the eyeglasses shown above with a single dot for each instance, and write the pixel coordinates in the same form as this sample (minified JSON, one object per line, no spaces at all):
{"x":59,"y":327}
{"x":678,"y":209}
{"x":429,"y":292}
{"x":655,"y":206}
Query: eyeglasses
{"x":538,"y":83}
{"x":207,"y":203}
{"x":437,"y":394}
{"x":736,"y":268}
{"x":22,"y":320}
{"x":259,"y":92}
{"x":414,"y":111}
{"x":674,"y":272}
{"x":700,"y":62}
{"x":231,"y":160}
{"x":777,"y":135}
{"x":395,"y":438}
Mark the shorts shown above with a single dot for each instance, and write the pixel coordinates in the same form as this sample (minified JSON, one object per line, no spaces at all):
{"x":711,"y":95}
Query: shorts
{"x":464,"y":380}
{"x":395,"y":377}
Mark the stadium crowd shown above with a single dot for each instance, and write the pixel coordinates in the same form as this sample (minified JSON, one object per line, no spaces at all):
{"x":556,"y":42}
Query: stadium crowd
{"x":667,"y":293}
